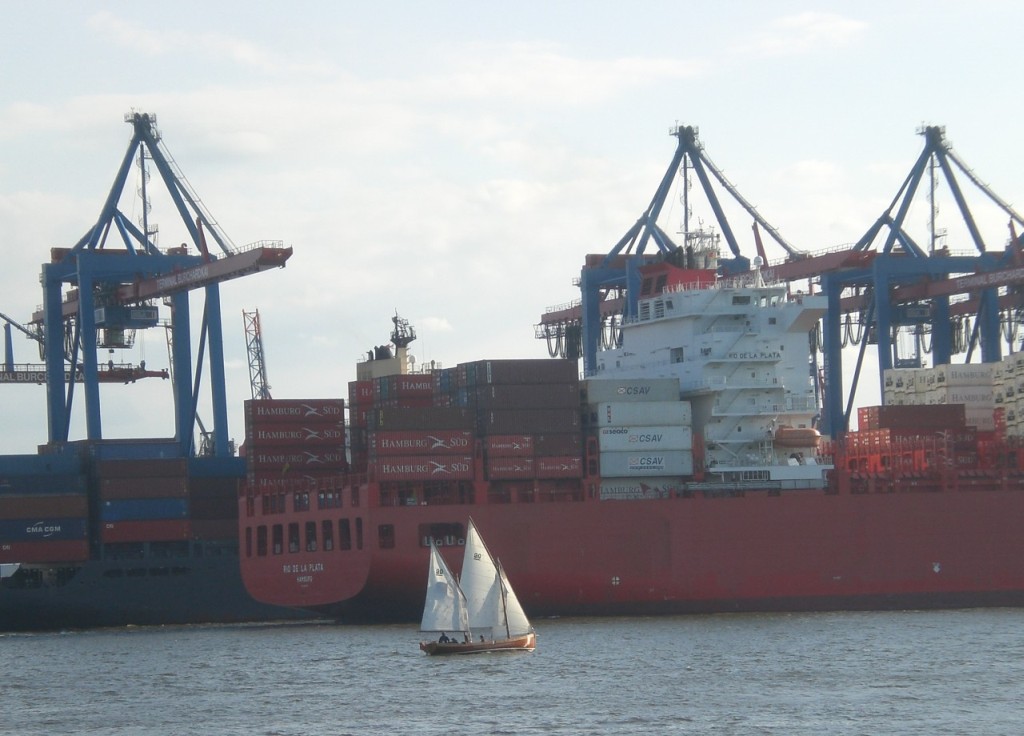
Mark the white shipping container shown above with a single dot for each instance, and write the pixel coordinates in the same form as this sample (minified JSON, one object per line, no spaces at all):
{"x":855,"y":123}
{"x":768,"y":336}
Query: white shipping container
{"x":605,"y":390}
{"x":629,"y":488}
{"x":982,"y":419}
{"x":646,"y":464}
{"x":972,"y":396}
{"x":625,"y":439}
{"x":965,"y":374}
{"x":643,"y":413}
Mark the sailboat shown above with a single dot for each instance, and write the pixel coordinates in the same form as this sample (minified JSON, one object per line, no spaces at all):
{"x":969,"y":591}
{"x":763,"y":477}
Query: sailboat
{"x":483,"y":610}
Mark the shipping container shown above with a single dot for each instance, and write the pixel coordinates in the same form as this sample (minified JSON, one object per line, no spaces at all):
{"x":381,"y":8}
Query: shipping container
{"x":305,"y":434}
{"x":291,"y":457}
{"x":430,"y":418}
{"x":523,"y":396}
{"x":23,"y":506}
{"x":139,"y":509}
{"x":55,"y":551}
{"x":646,"y":413}
{"x":422,"y":467}
{"x":360,"y":393}
{"x":559,"y":443}
{"x":912,"y":417}
{"x":526,"y":370}
{"x":159,"y":530}
{"x":37,"y":529}
{"x":528,"y":421}
{"x":60,"y":483}
{"x":626,"y":439}
{"x":509,"y":445}
{"x":155,"y":487}
{"x":559,"y":467}
{"x":149,"y":468}
{"x":420,"y":442}
{"x":635,"y":464}
{"x":509,"y":468}
{"x":631,"y":488}
{"x":268,"y":411}
{"x":213,"y":529}
{"x":613,"y":390}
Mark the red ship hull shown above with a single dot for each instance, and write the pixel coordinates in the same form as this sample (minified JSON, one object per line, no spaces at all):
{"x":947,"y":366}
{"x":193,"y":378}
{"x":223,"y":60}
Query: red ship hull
{"x":918,"y":546}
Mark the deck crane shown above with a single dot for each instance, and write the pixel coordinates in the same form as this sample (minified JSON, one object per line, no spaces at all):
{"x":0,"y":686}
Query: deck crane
{"x":610,"y":285}
{"x":112,"y":289}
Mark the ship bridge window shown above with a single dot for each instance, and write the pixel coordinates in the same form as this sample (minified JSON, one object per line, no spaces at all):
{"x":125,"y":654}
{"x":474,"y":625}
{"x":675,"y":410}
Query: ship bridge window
{"x":301,"y":501}
{"x":311,"y":536}
{"x":329,"y":499}
{"x":659,"y":308}
{"x":261,"y":541}
{"x":659,"y":284}
{"x":278,"y":539}
{"x":675,"y":355}
{"x":772,"y":320}
{"x":293,"y":537}
{"x":328,"y":529}
{"x":248,"y":541}
{"x":386,"y":536}
{"x":740,"y":299}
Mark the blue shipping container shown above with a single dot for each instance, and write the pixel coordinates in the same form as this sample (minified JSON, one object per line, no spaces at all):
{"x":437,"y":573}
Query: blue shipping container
{"x":39,"y":530}
{"x":144,"y":509}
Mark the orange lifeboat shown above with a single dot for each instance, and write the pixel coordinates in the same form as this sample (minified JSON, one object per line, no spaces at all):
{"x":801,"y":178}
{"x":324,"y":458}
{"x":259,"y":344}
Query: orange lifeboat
{"x":797,"y":437}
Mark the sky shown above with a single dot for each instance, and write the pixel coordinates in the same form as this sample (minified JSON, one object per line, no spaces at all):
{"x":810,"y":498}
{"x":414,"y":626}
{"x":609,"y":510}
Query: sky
{"x":456,"y":161}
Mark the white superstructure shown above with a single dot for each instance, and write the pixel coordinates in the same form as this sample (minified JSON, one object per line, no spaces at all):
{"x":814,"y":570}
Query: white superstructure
{"x":741,"y":353}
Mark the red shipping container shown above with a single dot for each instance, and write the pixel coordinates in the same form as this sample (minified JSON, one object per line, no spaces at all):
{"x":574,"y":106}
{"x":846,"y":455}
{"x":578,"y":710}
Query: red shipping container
{"x":559,"y":467}
{"x":122,"y":488}
{"x":67,"y":550}
{"x":565,"y":443}
{"x":411,"y":442}
{"x":360,"y":393}
{"x":156,"y":530}
{"x":509,"y":468}
{"x":295,"y":458}
{"x":311,"y":434}
{"x":422,"y":467}
{"x":268,"y":411}
{"x":509,"y":445}
{"x":527,"y":396}
{"x":24,"y":505}
{"x":175,"y":467}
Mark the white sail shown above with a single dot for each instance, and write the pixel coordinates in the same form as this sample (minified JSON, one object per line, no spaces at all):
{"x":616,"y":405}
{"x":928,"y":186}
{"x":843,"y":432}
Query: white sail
{"x":445,"y":606}
{"x":492,"y":603}
{"x":480,"y":584}
{"x":515,"y":616}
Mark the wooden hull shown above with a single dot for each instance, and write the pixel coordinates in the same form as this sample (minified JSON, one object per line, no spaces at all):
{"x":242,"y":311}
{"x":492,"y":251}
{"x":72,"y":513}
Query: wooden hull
{"x":525,"y":643}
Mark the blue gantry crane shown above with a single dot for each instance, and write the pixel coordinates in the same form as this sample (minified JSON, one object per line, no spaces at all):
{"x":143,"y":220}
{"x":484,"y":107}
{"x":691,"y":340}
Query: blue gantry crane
{"x":96,"y":293}
{"x":884,"y":282}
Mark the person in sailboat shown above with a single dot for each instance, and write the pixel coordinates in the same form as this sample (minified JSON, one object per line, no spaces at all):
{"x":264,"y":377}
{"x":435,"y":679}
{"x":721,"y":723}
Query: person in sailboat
{"x":444,"y":638}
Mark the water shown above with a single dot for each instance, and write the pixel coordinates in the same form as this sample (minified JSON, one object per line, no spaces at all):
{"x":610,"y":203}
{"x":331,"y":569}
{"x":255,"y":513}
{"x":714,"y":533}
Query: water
{"x":948,"y":672}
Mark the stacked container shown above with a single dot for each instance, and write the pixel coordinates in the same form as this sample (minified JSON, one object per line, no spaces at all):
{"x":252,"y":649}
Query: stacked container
{"x":143,"y":500}
{"x":43,"y":518}
{"x":644,"y":436}
{"x":294,"y":439}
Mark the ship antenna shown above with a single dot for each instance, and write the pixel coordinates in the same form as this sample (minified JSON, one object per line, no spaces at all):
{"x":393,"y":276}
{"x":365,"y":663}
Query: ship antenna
{"x":403,"y":334}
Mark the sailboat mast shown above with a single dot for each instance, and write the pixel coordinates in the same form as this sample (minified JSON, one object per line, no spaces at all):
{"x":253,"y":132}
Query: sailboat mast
{"x":504,"y":599}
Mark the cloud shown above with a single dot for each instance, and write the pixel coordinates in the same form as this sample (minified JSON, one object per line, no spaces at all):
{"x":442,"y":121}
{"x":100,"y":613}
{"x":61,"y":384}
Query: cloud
{"x":805,"y":33}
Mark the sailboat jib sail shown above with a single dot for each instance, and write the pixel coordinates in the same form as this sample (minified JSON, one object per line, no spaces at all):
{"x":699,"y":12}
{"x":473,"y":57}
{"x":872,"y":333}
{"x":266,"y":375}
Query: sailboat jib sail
{"x":516,"y":621}
{"x":445,"y":606}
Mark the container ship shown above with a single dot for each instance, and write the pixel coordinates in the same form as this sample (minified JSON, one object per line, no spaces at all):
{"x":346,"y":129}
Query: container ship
{"x":685,"y":473}
{"x":705,"y":460}
{"x":107,"y":535}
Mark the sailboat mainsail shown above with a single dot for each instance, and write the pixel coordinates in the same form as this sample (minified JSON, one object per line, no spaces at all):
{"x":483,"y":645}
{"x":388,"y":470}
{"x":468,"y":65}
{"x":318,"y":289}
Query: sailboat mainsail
{"x":489,"y":597}
{"x":445,"y":606}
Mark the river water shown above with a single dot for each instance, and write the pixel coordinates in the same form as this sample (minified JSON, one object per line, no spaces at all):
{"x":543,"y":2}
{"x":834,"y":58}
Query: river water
{"x":947,"y":672}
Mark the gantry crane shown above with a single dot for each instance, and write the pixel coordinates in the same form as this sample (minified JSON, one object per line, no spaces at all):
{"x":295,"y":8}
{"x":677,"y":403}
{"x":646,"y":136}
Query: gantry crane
{"x":257,"y":361}
{"x":95,"y":293}
{"x":898,"y":284}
